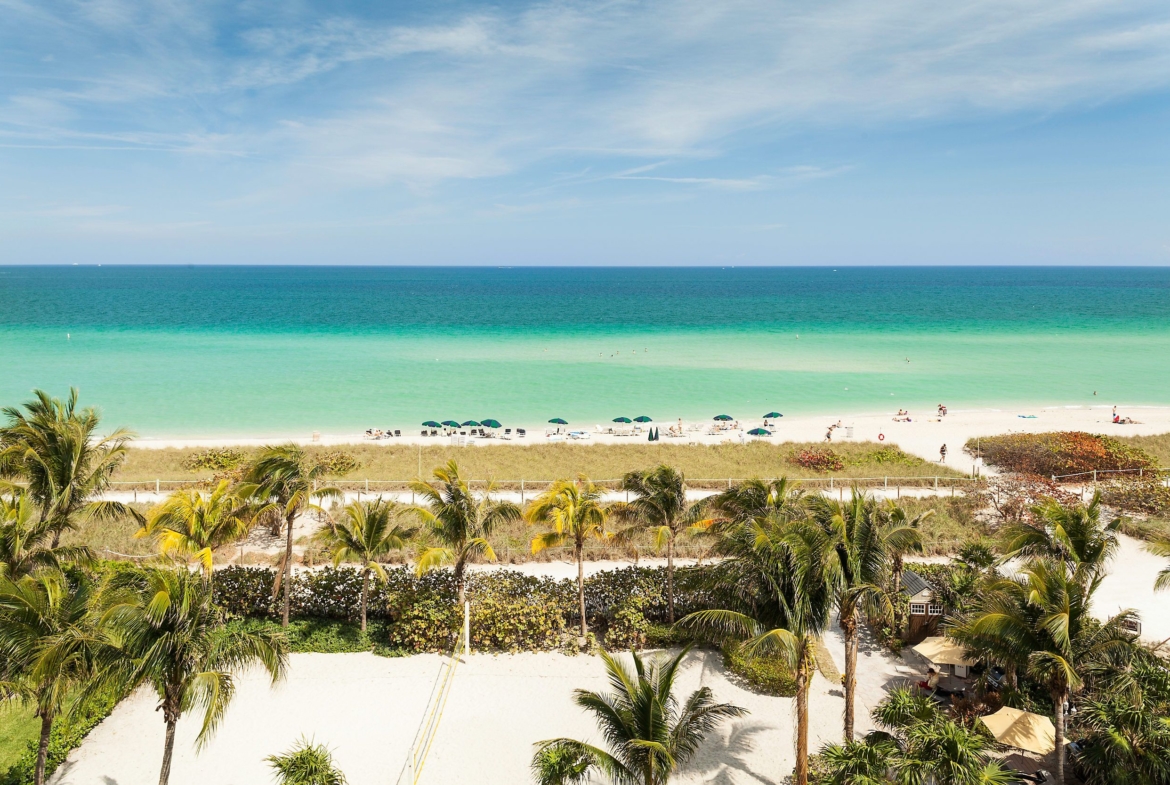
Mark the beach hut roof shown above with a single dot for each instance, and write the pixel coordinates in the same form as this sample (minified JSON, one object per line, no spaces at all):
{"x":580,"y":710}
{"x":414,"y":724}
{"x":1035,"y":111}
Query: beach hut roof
{"x":1022,"y":730}
{"x":941,"y":650}
{"x":914,"y":584}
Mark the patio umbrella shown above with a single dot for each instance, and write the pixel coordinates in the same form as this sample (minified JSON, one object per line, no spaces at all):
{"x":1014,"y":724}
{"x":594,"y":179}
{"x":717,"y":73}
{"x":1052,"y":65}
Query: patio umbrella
{"x":759,"y":432}
{"x":1022,"y":730}
{"x":432,"y":424}
{"x":490,"y":423}
{"x":643,"y":418}
{"x":772,"y":415}
{"x":451,"y":423}
{"x":558,"y":421}
{"x":622,"y":419}
{"x":941,"y":650}
{"x":724,"y":417}
{"x":470,"y":424}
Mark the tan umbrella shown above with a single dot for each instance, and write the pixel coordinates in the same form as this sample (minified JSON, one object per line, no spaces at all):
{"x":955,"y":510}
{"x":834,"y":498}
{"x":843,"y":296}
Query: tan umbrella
{"x":1022,"y":730}
{"x":943,"y":651}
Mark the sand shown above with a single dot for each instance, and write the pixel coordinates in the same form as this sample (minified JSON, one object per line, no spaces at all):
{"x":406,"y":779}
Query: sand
{"x":922,"y":436}
{"x":367,"y":709}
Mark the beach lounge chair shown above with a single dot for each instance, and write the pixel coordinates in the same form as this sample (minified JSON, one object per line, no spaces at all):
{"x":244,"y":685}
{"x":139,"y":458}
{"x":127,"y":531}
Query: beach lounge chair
{"x":521,"y":432}
{"x":397,"y":432}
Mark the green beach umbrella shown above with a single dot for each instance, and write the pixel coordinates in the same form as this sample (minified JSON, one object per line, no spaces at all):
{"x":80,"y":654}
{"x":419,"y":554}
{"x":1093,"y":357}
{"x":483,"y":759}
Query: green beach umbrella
{"x":432,"y":424}
{"x":490,"y":423}
{"x":558,"y":421}
{"x":759,"y":432}
{"x":643,"y":418}
{"x":772,"y":415}
{"x":622,"y":419}
{"x":470,"y":424}
{"x":724,"y":417}
{"x":450,"y":423}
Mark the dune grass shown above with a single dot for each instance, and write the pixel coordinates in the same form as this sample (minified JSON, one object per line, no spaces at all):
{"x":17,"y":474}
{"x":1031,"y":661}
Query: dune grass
{"x":1157,"y":446}
{"x":536,"y":462}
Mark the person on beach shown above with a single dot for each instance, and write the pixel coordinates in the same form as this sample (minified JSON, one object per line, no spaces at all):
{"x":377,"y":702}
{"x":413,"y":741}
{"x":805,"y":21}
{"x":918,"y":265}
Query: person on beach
{"x":942,"y":454}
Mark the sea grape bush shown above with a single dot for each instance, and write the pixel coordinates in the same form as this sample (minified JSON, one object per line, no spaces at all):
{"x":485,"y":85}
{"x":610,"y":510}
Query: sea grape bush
{"x":1058,"y":453}
{"x":217,"y":459}
{"x":818,"y":459}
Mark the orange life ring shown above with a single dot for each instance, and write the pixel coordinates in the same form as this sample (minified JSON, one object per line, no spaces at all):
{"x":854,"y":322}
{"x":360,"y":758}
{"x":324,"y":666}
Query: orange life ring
{"x":881,"y":437}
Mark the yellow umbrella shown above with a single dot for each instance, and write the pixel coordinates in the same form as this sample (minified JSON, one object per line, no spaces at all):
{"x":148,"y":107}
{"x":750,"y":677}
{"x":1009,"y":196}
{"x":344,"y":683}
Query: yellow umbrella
{"x":1022,"y":730}
{"x":943,"y":651}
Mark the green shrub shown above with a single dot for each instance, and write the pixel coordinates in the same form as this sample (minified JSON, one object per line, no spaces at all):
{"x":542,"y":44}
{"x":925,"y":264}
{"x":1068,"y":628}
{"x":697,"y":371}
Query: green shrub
{"x":1059,"y":453}
{"x":338,"y":462}
{"x":1137,"y":494}
{"x":217,"y":459}
{"x":769,"y":675}
{"x":886,"y":456}
{"x":818,"y":459}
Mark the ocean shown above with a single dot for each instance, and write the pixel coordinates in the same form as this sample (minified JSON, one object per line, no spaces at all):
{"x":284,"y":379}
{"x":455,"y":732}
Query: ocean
{"x":269,"y":351}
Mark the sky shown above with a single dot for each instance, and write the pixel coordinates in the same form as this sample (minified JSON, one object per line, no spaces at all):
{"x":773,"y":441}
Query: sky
{"x":832,"y":132}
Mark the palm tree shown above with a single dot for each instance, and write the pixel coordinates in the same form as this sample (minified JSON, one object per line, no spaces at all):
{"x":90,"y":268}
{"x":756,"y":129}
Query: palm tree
{"x":660,"y":505}
{"x":864,"y":540}
{"x":306,"y":764}
{"x":190,"y":526}
{"x":783,"y":575}
{"x":1123,"y":743}
{"x":281,"y":481}
{"x":1072,"y":534}
{"x":171,"y":637}
{"x":753,"y":499}
{"x":47,"y":644}
{"x":25,"y":545}
{"x":1039,"y":622}
{"x":648,"y":733}
{"x":1161,"y":548}
{"x":368,"y":531}
{"x":52,"y":445}
{"x":460,"y":520}
{"x":917,"y":744}
{"x":574,"y":513}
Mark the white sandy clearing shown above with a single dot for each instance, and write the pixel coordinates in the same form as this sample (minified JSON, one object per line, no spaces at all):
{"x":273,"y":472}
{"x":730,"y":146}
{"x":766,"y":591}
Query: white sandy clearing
{"x":922,"y":436}
{"x":367,"y":709}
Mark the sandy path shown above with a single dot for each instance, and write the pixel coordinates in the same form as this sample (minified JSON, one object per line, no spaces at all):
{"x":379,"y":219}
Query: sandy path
{"x":367,"y":709}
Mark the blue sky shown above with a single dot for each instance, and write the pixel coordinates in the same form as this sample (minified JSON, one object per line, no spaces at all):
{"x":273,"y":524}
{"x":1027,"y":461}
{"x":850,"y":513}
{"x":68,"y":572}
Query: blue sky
{"x":684,"y":132}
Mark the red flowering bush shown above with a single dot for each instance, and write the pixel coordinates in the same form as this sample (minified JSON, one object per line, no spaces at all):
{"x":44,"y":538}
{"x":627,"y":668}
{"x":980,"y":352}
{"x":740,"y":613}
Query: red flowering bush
{"x":818,"y":459}
{"x":1064,"y":452}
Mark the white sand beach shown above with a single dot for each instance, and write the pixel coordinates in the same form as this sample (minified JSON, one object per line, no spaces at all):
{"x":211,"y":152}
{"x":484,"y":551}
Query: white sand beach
{"x":367,"y":708}
{"x":923,"y":435}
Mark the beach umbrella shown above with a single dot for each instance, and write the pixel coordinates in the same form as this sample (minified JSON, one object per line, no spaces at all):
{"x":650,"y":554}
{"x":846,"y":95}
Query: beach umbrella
{"x":622,"y":419}
{"x":941,"y":650}
{"x":1022,"y":730}
{"x":450,"y":423}
{"x":432,"y":424}
{"x":772,"y":415}
{"x":490,"y":423}
{"x":759,"y":432}
{"x":724,"y":417}
{"x":470,"y":424}
{"x":558,"y":421}
{"x":643,"y":418}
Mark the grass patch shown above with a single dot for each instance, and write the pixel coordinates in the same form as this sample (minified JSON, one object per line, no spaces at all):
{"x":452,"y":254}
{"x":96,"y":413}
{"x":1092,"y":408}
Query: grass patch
{"x":535,"y":462}
{"x":109,"y":538}
{"x":18,"y":727}
{"x":767,"y":675}
{"x":953,"y":523}
{"x":328,"y":636}
{"x":1157,"y":446}
{"x":67,"y":734}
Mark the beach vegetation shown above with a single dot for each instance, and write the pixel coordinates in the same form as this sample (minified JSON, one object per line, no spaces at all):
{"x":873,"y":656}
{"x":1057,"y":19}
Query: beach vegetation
{"x":460,"y":521}
{"x":337,"y":463}
{"x":53,"y":447}
{"x":1059,"y":453}
{"x":307,"y":763}
{"x":26,"y":540}
{"x":660,"y":507}
{"x":818,"y":459}
{"x":190,"y":525}
{"x":366,"y":532}
{"x":767,"y":675}
{"x":574,"y":514}
{"x":649,"y":732}
{"x":85,"y":711}
{"x":1144,"y":495}
{"x":281,"y":483}
{"x":171,"y":637}
{"x":1071,"y":534}
{"x":216,"y":459}
{"x":49,"y":641}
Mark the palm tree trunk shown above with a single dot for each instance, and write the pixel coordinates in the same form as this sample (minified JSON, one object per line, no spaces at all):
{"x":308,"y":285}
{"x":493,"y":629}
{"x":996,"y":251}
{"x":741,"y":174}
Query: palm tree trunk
{"x":43,"y":748}
{"x":365,"y":593}
{"x":896,"y":574}
{"x":803,"y":678}
{"x":165,"y":775}
{"x":287,"y":570}
{"x":1058,"y":700}
{"x":849,"y":628}
{"x":670,"y":579}
{"x":581,"y":590}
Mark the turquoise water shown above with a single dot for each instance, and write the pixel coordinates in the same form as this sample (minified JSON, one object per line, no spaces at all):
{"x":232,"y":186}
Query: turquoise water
{"x":172,"y":351}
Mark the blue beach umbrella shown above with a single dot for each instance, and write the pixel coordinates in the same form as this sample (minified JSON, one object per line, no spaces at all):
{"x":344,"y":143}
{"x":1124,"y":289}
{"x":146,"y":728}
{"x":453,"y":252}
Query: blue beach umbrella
{"x":724,"y":417}
{"x":470,"y":424}
{"x":490,"y":423}
{"x":450,"y":423}
{"x":643,"y":418}
{"x":558,"y":421}
{"x":622,"y":419}
{"x":772,"y":415}
{"x":759,"y":432}
{"x":432,"y":424}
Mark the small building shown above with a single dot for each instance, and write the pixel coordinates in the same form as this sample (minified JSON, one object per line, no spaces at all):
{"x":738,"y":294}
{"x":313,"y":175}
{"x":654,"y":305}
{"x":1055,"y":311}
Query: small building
{"x":925,"y":610}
